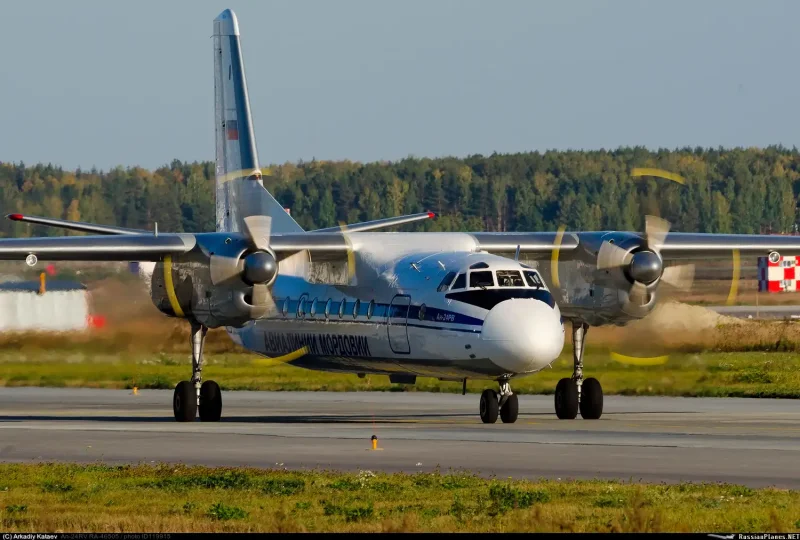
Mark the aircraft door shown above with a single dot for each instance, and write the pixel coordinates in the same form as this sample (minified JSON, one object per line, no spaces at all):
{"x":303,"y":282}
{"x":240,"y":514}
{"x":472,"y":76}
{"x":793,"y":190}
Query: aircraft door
{"x":397,"y":324}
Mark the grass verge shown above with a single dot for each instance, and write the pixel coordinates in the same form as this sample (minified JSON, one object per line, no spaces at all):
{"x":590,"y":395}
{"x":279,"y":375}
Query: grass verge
{"x":741,"y":374}
{"x":169,"y":498}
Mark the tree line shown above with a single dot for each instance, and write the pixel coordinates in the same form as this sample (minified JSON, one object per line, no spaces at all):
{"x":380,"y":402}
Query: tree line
{"x":739,"y":190}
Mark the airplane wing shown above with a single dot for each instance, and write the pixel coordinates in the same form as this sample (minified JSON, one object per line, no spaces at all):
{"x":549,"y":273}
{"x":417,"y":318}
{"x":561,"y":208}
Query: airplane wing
{"x":144,"y":247}
{"x":695,"y":245}
{"x":676,"y":245}
{"x":152,"y":247}
{"x":536,"y":245}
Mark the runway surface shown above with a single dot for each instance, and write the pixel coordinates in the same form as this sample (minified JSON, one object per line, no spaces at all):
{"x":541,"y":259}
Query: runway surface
{"x":746,"y":441}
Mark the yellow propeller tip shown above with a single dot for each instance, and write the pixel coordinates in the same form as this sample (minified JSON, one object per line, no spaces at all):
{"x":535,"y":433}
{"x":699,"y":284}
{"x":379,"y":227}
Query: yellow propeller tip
{"x":302,"y":351}
{"x":659,"y":173}
{"x":639,"y":361}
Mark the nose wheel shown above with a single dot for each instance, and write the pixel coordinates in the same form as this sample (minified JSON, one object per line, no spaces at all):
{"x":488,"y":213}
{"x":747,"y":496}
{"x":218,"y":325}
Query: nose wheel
{"x":576,"y":394}
{"x":191,"y":397}
{"x":505,"y":405}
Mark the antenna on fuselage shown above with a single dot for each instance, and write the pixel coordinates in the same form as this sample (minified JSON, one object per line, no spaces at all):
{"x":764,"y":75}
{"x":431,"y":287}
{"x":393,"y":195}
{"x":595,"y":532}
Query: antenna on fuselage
{"x":516,"y":255}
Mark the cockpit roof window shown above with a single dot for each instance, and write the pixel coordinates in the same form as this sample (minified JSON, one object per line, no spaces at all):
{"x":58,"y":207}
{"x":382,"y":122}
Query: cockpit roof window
{"x":533,"y":279}
{"x":478,"y":265}
{"x":460,"y":282}
{"x":446,"y":281}
{"x":481,"y":279}
{"x":509,"y":278}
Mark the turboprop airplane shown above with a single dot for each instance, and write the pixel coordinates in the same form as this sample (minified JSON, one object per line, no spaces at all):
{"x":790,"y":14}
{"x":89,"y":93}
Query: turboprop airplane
{"x":449,"y":305}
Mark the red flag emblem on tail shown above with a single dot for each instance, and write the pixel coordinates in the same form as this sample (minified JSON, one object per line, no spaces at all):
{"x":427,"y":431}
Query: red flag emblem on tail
{"x":232,"y":128}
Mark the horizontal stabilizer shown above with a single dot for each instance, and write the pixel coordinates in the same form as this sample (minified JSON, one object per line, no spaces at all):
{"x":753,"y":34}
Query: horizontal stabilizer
{"x":378,"y":223}
{"x":74,"y":225}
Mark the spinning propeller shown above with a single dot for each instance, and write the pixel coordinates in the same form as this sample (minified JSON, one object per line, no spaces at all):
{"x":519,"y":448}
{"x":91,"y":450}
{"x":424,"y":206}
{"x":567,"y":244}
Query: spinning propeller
{"x":257,"y":266}
{"x":643,"y":266}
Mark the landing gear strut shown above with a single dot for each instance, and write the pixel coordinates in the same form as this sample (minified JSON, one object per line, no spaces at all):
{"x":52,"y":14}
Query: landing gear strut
{"x":195,"y":395}
{"x":506,"y":404}
{"x":576,"y":394}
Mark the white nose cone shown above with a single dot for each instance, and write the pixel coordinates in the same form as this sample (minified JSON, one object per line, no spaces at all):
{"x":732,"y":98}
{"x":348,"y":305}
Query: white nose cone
{"x":523,"y":335}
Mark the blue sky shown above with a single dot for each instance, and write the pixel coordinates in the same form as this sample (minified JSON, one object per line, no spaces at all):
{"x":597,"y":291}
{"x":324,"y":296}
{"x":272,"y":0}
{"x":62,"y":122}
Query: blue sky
{"x":97,"y":83}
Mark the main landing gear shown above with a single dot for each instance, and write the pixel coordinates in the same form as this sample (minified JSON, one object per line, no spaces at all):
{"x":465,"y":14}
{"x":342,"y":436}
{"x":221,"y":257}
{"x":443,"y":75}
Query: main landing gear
{"x":576,"y":393}
{"x":506,"y":405}
{"x":191,"y":397}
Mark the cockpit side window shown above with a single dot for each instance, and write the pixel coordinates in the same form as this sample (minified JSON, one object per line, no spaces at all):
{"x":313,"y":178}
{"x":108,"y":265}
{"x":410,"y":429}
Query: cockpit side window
{"x":448,"y":279}
{"x":481,"y":279}
{"x":460,"y":282}
{"x":509,"y":278}
{"x":533,"y":279}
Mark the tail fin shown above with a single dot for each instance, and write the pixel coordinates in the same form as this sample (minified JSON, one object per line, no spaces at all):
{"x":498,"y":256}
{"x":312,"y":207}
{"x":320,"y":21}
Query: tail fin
{"x":240,"y":191}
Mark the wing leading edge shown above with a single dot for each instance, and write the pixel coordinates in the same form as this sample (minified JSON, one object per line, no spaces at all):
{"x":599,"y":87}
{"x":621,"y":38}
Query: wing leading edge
{"x":694,"y":245}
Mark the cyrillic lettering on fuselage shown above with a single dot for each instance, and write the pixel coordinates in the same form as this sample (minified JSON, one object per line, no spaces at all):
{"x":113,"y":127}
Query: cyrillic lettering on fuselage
{"x":318,"y":344}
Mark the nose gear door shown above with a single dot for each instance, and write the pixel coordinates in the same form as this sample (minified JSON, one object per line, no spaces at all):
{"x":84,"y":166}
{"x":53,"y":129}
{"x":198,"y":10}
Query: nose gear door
{"x":397,"y":324}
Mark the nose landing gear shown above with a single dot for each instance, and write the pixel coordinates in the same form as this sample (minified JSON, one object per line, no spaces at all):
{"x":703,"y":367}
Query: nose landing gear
{"x":506,"y":405}
{"x":576,"y":394}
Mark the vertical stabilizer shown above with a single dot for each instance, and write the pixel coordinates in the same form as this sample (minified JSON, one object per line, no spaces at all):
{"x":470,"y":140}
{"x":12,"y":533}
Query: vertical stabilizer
{"x":240,"y":191}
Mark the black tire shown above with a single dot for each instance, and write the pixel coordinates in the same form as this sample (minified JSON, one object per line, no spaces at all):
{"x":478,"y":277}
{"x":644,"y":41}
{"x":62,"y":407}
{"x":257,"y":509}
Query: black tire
{"x":210,"y":402}
{"x":184,"y":402}
{"x":566,"y":399}
{"x":510,"y":410}
{"x":490,"y":407}
{"x":591,"y":399}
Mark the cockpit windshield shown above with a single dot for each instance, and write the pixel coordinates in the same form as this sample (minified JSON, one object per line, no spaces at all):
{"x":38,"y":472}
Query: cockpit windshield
{"x":446,"y":281}
{"x":533,"y":279}
{"x":509,"y":278}
{"x":481,"y":279}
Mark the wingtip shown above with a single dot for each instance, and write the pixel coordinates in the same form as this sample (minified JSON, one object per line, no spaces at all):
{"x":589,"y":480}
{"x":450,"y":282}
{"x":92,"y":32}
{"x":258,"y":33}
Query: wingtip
{"x":15,"y":217}
{"x":431,"y":215}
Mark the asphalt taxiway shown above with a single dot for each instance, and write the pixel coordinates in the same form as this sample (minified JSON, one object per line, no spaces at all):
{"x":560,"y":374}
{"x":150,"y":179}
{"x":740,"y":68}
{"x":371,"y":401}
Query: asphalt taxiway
{"x":746,"y":441}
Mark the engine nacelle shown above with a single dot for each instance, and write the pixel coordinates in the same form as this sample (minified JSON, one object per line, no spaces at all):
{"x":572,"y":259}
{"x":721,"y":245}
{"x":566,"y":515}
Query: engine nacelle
{"x":637,"y":281}
{"x":183,"y":289}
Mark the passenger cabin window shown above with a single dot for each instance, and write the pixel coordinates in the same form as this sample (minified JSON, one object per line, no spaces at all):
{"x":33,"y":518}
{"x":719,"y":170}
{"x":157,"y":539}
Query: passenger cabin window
{"x":328,"y":308}
{"x":355,"y":308}
{"x":481,"y":279}
{"x":313,"y":311}
{"x":301,"y":308}
{"x":460,"y":283}
{"x":285,"y":309}
{"x":509,"y":278}
{"x":448,"y":279}
{"x":534,"y":279}
{"x":370,"y":309}
{"x":341,"y":308}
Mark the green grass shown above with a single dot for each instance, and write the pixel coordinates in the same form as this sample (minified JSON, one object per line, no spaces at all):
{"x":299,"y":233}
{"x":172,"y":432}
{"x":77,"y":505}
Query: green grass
{"x":739,"y":374}
{"x":175,"y":498}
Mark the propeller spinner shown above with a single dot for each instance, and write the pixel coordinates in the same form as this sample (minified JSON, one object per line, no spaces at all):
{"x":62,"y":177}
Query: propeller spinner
{"x":259,"y":268}
{"x":644,"y":266}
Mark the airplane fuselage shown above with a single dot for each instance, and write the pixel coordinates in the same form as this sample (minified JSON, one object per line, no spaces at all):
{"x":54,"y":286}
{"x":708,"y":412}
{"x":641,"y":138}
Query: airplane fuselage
{"x":415,"y":315}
